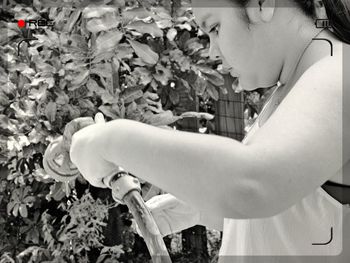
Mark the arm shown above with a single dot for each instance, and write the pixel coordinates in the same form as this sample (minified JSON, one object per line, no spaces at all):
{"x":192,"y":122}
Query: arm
{"x":297,"y":150}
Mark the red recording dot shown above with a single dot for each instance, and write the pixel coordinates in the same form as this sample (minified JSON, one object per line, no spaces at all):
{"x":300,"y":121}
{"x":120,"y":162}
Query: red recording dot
{"x":21,"y":23}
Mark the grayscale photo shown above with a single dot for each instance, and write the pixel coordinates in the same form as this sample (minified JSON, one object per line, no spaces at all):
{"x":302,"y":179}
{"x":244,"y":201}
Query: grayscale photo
{"x":175,"y":131}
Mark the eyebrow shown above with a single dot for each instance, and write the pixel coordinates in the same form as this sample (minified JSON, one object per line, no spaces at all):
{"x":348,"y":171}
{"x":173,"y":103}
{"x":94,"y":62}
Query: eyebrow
{"x":204,"y":23}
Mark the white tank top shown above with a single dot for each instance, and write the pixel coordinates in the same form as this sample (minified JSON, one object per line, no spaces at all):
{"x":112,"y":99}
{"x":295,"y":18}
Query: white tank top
{"x":301,"y":230}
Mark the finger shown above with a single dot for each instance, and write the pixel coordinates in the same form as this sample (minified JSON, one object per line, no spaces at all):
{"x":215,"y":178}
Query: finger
{"x":161,"y":202}
{"x":99,"y":118}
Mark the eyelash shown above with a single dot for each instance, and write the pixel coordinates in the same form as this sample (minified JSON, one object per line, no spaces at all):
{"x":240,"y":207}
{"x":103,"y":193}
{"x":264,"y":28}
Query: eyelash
{"x":214,"y":29}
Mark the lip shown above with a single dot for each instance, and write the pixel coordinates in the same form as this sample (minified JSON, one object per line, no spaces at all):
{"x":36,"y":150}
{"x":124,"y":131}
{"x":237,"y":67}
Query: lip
{"x":233,"y":73}
{"x":223,"y":69}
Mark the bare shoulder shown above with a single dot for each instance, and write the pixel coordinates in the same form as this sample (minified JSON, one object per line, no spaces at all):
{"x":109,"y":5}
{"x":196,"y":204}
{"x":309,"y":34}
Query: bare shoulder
{"x":328,"y":79}
{"x":328,"y":71}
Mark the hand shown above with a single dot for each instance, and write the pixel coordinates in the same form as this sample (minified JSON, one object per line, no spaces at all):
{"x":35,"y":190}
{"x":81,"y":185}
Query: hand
{"x":84,"y":153}
{"x":171,"y":214}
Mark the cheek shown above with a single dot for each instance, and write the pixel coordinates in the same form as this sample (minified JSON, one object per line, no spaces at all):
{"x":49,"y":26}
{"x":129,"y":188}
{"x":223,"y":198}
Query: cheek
{"x":235,"y":43}
{"x":235,"y":48}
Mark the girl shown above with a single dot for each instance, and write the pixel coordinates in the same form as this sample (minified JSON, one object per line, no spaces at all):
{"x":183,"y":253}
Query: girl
{"x":265,"y":193}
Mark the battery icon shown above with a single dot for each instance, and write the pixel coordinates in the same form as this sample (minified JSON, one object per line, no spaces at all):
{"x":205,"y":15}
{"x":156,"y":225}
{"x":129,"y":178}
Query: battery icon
{"x":323,"y":23}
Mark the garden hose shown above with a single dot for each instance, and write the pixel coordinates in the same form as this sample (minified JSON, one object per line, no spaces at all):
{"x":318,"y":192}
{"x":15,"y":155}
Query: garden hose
{"x":125,"y":189}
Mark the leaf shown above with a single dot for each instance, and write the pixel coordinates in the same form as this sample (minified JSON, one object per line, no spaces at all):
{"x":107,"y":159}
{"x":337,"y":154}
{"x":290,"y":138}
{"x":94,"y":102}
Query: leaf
{"x":136,"y":14}
{"x":198,"y":115}
{"x":8,"y":125}
{"x":186,"y":26}
{"x":174,"y":96}
{"x":163,"y":74}
{"x":23,"y":210}
{"x":144,"y":52}
{"x":103,"y":70}
{"x":50,"y":111}
{"x":53,"y":36}
{"x":97,"y":11}
{"x":80,"y":78}
{"x":131,"y":95}
{"x":108,"y":111}
{"x":96,"y":25}
{"x":10,"y":206}
{"x":15,"y":209}
{"x":200,"y":85}
{"x":212,"y":75}
{"x":73,"y":18}
{"x":108,"y":41}
{"x":193,"y":45}
{"x":212,"y":91}
{"x":172,"y":33}
{"x":6,"y":35}
{"x":94,"y":87}
{"x":146,"y":28}
{"x":29,"y":199}
{"x":143,"y":75}
{"x":161,"y":119}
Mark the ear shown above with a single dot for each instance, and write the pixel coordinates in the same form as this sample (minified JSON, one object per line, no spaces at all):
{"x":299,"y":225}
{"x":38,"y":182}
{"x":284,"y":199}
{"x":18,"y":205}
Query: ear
{"x":320,"y":9}
{"x":261,"y":11}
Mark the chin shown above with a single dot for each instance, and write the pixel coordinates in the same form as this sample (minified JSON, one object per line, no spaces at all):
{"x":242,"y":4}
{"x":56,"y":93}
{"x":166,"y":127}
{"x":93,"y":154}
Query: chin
{"x":254,"y":86}
{"x":246,"y":86}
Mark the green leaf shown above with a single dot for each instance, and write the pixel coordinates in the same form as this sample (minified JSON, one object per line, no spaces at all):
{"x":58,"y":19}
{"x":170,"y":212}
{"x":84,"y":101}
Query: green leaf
{"x":144,"y":52}
{"x":108,"y":41}
{"x":146,"y":28}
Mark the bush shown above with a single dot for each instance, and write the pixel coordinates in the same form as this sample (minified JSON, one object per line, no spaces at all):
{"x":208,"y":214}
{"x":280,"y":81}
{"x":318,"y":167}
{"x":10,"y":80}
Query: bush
{"x":117,"y":58}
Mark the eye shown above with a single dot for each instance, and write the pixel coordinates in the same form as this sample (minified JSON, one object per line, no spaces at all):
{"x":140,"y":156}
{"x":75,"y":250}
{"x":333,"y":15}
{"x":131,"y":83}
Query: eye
{"x":215,"y":29}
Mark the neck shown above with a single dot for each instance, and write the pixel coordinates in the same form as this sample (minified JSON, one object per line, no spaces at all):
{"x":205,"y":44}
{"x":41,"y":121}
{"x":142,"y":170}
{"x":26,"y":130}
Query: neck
{"x":295,"y":59}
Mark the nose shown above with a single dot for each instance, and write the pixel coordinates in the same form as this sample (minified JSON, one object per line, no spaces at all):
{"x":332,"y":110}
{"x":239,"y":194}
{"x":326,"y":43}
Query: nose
{"x":214,"y":52}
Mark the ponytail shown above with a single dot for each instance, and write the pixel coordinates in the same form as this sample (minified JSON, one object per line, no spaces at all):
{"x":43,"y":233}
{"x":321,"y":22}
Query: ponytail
{"x":338,"y":12}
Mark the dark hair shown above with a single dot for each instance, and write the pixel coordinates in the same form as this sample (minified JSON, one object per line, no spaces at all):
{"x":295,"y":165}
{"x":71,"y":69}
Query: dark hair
{"x":338,"y":12}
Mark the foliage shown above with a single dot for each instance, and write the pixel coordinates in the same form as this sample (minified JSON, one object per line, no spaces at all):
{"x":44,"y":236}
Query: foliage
{"x":120,"y":58}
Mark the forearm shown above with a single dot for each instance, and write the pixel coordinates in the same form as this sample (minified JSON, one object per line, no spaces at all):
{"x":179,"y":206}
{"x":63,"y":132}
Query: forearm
{"x":193,"y":167}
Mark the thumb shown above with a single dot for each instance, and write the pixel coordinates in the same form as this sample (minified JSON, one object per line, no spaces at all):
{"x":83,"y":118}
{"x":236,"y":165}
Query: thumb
{"x":161,"y":202}
{"x":99,"y":118}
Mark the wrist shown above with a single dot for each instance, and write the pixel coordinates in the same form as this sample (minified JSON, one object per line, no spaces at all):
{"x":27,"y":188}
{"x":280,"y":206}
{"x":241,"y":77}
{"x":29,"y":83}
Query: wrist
{"x":109,"y":140}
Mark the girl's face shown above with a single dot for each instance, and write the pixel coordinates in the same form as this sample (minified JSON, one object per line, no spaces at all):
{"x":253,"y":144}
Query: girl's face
{"x":249,"y":49}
